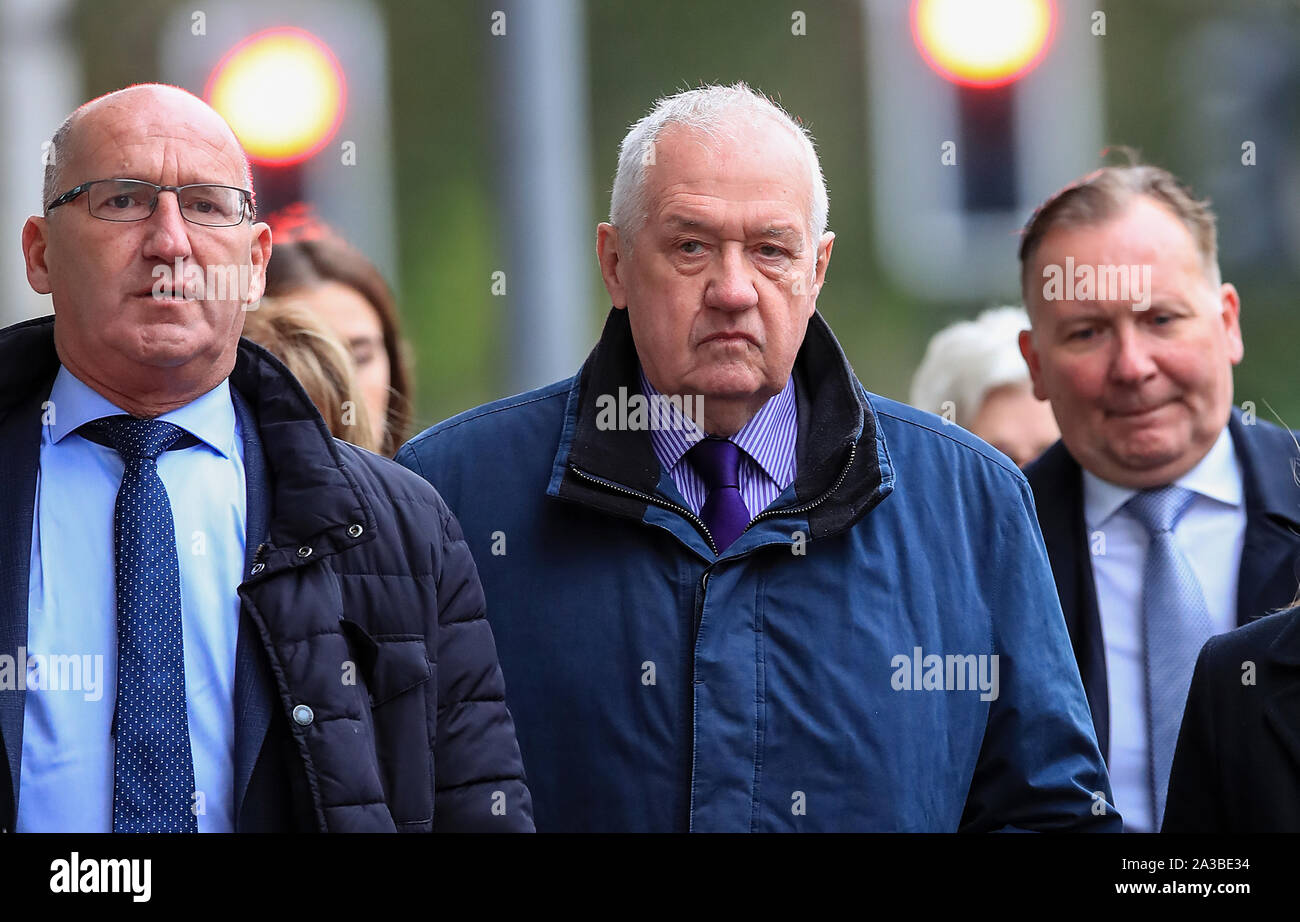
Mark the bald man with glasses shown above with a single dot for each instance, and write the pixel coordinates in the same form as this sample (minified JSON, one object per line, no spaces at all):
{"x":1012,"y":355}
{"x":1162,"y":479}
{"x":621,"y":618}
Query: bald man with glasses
{"x":271,"y":629}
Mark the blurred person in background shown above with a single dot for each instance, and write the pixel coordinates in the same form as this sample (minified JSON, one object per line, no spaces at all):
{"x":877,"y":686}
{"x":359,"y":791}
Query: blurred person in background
{"x":711,"y":622}
{"x":179,"y":514}
{"x":298,"y":337}
{"x":316,"y":267}
{"x":1169,"y":515}
{"x":974,"y":375}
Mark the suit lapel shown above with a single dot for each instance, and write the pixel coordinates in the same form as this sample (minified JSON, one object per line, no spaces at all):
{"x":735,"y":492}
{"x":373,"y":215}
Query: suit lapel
{"x":1282,"y":707}
{"x":1267,"y":579}
{"x":20,"y":433}
{"x":253,"y":694}
{"x":1057,"y":482}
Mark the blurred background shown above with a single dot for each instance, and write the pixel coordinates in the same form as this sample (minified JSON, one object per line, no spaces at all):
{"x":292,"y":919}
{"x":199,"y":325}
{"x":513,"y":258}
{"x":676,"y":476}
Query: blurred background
{"x":468,"y":148}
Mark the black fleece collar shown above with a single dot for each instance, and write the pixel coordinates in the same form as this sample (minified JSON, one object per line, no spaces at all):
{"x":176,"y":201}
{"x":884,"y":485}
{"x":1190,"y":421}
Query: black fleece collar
{"x":837,"y":456}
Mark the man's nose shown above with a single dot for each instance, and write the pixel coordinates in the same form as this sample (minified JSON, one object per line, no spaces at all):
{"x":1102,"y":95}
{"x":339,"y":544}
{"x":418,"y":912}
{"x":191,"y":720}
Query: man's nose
{"x":167,"y":234}
{"x":1132,"y":361}
{"x":732,"y":285}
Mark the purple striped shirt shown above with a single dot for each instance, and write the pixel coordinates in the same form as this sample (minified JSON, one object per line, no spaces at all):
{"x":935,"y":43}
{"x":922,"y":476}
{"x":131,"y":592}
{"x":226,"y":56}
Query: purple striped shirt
{"x":767,"y":465}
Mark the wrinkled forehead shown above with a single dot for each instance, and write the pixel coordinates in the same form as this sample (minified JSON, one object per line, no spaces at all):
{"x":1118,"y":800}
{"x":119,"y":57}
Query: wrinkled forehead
{"x":743,"y":143}
{"x":757,"y":153}
{"x":155,"y":140}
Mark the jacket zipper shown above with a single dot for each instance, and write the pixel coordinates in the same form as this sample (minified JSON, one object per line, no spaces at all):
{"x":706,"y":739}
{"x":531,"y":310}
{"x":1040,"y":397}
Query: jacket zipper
{"x":697,"y":615}
{"x":258,"y":566}
{"x":698,"y":522}
{"x":704,"y":582}
{"x":696,"y":609}
{"x":658,"y":501}
{"x":853,"y":451}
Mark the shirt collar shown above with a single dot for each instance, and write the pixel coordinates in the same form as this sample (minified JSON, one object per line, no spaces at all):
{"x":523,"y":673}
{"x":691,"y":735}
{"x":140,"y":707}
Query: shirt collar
{"x":209,"y":418}
{"x":775,"y":456}
{"x":757,"y":437}
{"x":1216,"y":476}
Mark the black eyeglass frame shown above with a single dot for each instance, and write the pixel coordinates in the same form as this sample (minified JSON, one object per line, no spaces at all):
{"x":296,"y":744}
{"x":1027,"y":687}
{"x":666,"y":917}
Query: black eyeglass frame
{"x":248,"y":211}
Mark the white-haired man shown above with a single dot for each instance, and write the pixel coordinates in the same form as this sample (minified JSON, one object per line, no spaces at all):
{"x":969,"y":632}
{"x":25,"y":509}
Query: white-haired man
{"x":973,"y":375}
{"x":721,"y":574}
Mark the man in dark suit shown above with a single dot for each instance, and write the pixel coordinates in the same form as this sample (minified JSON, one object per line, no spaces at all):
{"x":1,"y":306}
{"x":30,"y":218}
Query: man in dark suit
{"x":213,"y":616}
{"x":1237,"y":766}
{"x":1168,"y":515}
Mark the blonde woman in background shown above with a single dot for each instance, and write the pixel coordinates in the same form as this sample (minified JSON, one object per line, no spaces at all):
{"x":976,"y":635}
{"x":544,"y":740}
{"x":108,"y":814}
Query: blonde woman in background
{"x":317,"y":267}
{"x":298,"y":337}
{"x":973,"y":375}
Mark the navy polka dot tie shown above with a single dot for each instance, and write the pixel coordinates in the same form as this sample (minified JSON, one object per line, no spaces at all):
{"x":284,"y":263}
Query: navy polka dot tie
{"x":153,"y":769}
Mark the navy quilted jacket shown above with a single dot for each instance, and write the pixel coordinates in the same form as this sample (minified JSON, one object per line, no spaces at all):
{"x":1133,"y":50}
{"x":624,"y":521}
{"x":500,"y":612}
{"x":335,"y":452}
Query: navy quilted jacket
{"x":368,"y":694}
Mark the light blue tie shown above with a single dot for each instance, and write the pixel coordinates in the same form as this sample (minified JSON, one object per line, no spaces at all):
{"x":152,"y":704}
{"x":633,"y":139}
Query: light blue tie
{"x":1175,"y":625}
{"x":153,"y":768}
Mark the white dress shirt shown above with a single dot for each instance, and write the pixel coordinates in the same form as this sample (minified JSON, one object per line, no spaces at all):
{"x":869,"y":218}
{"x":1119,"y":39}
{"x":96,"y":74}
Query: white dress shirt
{"x":1210,"y":534}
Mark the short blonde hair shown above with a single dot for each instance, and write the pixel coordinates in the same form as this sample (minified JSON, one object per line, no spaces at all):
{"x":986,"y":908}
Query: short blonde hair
{"x":295,"y":335}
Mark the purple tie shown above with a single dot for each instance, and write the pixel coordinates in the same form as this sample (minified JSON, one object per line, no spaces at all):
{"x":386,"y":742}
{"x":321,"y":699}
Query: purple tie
{"x":717,"y":461}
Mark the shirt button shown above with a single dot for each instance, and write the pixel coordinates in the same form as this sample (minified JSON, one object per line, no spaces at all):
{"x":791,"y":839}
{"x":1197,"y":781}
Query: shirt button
{"x":303,"y":716}
{"x":304,"y":552}
{"x":355,"y":531}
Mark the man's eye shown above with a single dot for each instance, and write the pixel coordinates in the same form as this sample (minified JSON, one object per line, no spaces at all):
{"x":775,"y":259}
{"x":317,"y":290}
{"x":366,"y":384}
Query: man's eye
{"x":771,"y":251}
{"x":1081,"y":334}
{"x":690,"y":247}
{"x":120,"y":201}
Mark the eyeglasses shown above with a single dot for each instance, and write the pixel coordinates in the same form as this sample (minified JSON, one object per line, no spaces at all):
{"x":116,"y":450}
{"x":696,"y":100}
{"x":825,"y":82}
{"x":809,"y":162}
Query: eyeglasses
{"x":135,"y":200}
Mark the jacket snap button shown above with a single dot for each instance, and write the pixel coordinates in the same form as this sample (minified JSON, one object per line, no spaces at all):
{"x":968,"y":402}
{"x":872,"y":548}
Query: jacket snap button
{"x":258,"y":568}
{"x":304,"y":552}
{"x":303,"y":716}
{"x":355,"y":531}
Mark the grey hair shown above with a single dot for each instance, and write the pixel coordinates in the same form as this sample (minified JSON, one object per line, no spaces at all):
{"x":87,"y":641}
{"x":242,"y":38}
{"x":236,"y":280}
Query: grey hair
{"x":967,"y":360}
{"x":53,"y":178}
{"x":53,"y":162}
{"x":713,"y":111}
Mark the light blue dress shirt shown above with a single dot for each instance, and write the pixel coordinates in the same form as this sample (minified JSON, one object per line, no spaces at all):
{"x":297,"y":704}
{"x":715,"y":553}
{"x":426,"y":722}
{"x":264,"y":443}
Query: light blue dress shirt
{"x":66,"y":779}
{"x":1211,"y":535}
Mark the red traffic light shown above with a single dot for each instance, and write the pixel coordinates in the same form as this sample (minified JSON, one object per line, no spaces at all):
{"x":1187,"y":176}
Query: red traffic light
{"x":983,"y":43}
{"x":283,"y":93}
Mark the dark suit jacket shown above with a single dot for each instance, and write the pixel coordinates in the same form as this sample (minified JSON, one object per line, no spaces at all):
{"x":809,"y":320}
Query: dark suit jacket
{"x":1267,"y":579}
{"x":1237,"y":766}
